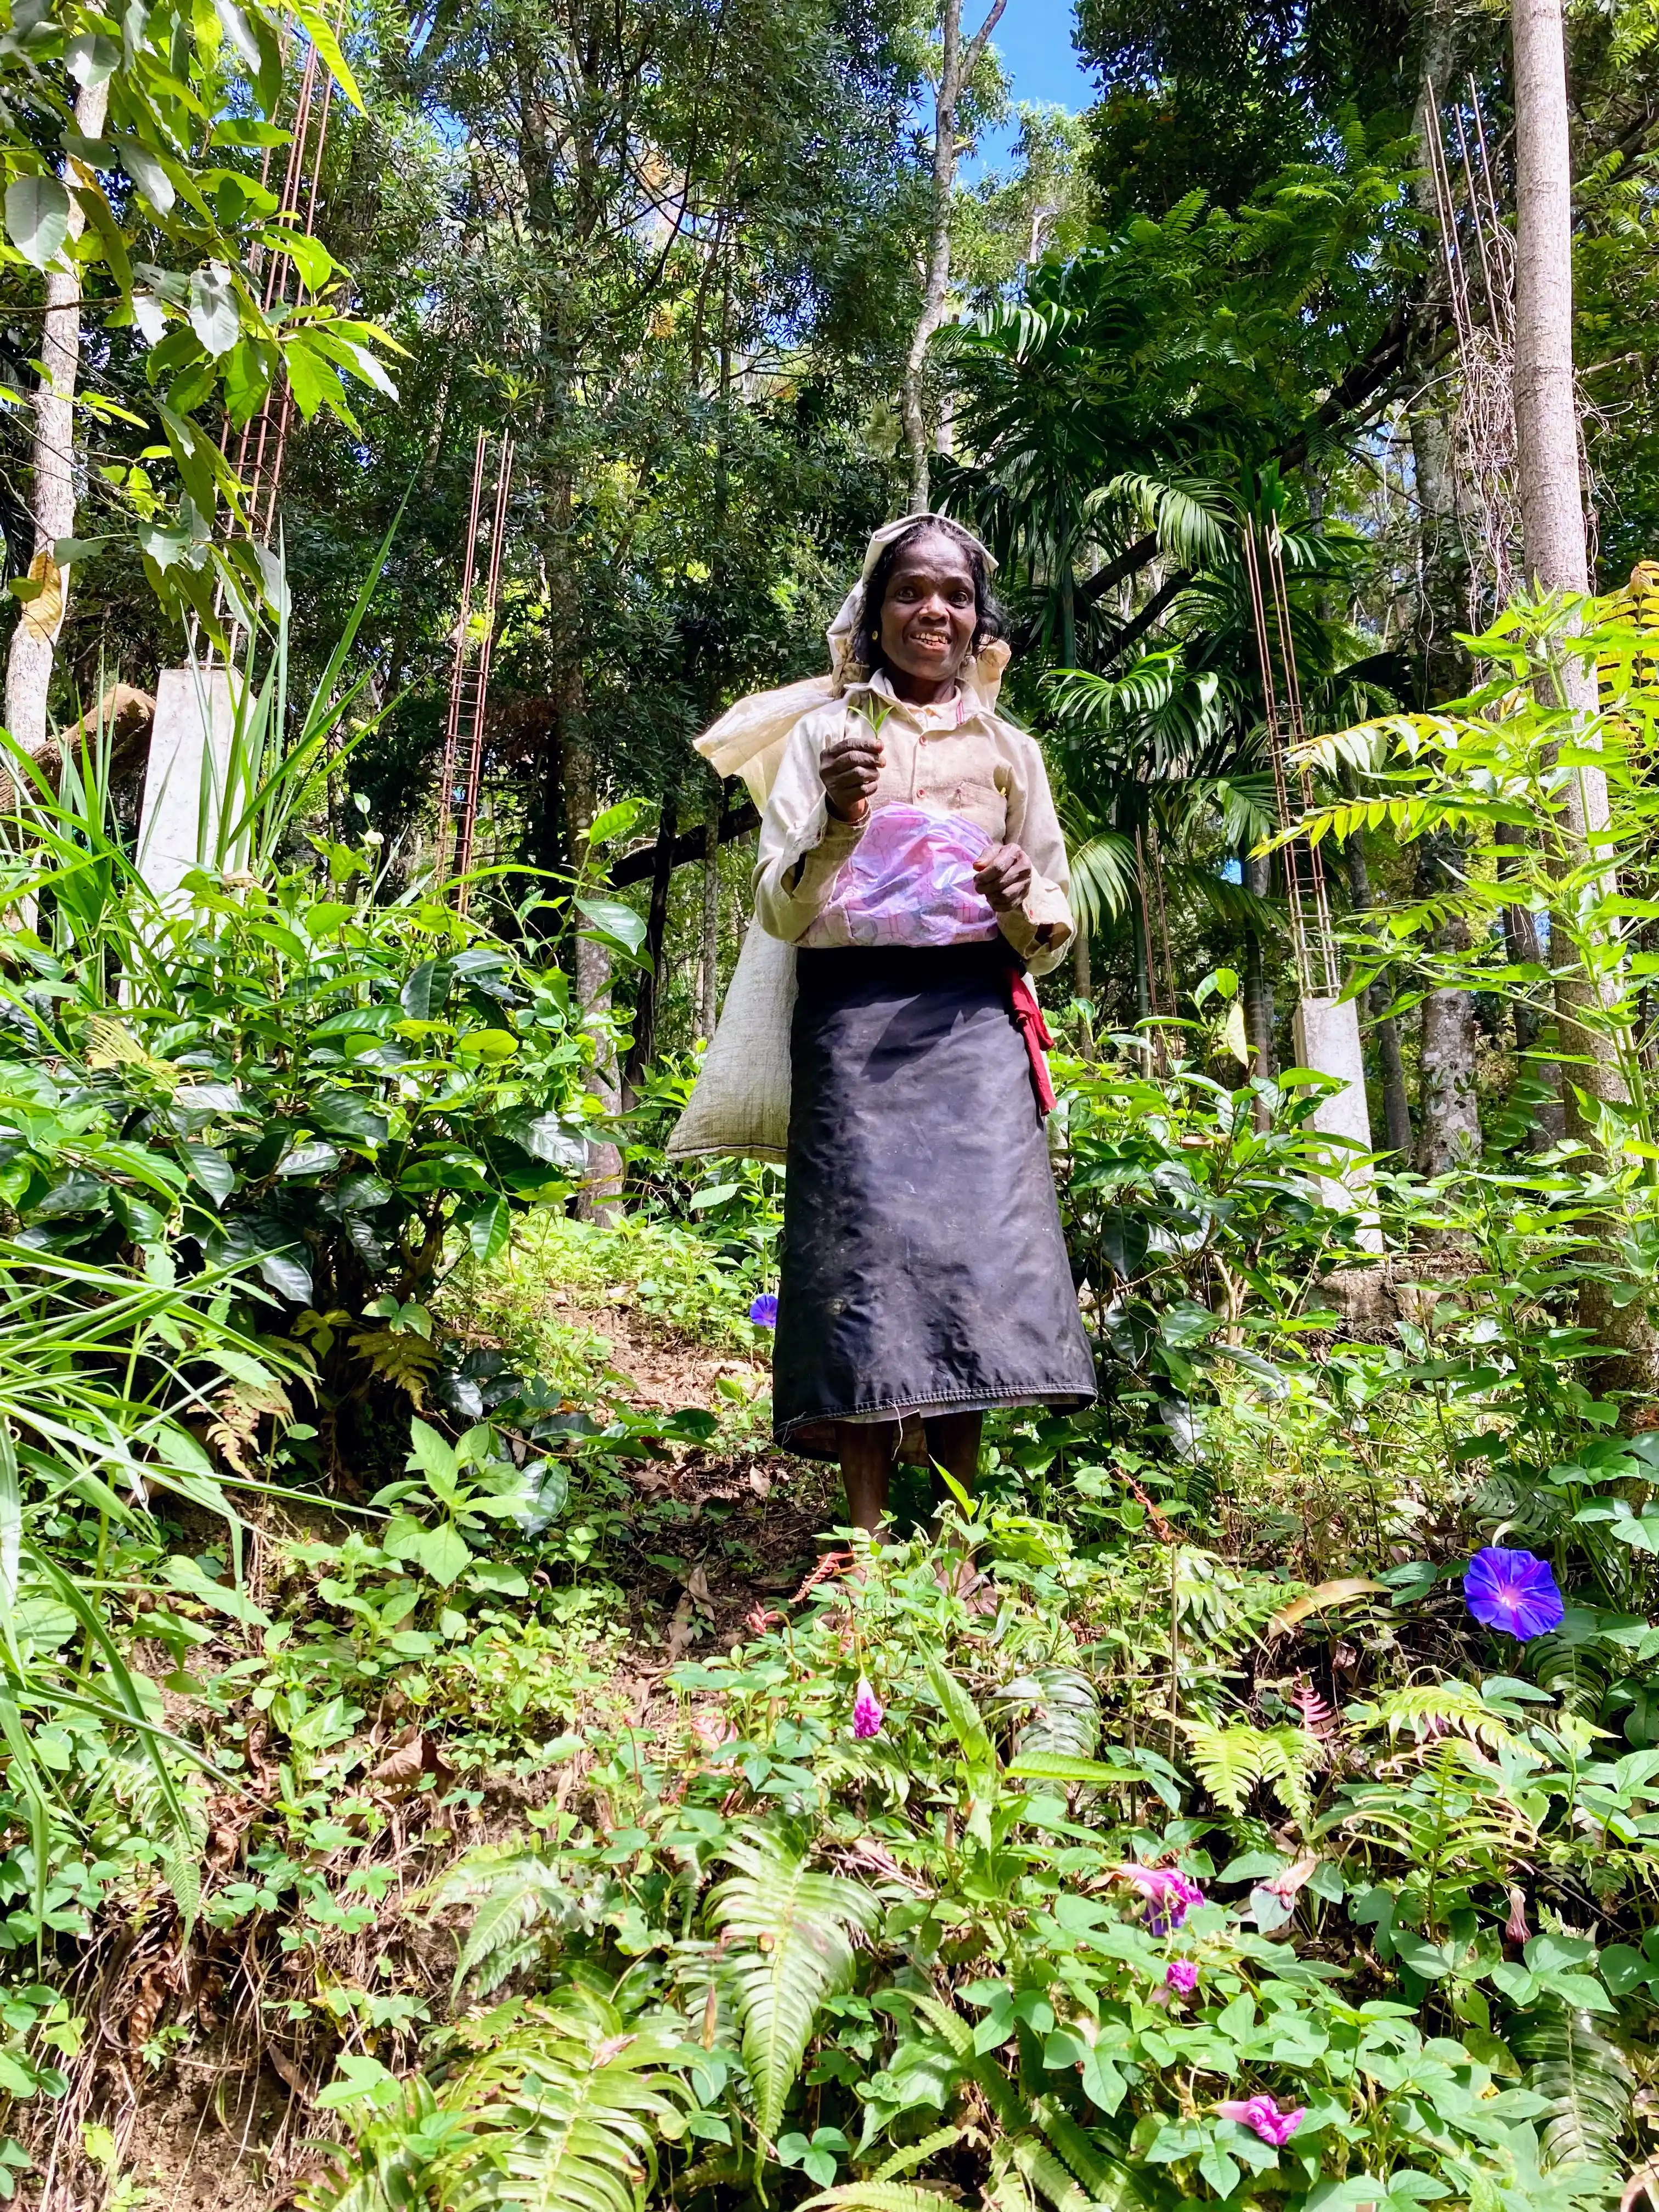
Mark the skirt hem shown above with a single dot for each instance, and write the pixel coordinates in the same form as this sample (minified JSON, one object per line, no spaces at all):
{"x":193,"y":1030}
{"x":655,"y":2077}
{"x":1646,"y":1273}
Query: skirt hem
{"x":799,"y":1433}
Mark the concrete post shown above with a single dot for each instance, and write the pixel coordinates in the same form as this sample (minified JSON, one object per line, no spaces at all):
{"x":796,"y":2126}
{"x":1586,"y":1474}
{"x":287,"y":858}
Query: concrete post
{"x":184,"y":780}
{"x":1327,"y":1034}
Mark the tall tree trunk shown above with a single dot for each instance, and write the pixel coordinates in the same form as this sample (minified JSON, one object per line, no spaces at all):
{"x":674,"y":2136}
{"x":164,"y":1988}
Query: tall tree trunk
{"x":1441,"y":607}
{"x":601,"y":1197}
{"x":1396,"y":1098}
{"x":649,"y":1005}
{"x":52,"y":499}
{"x":1449,"y":1135}
{"x":956,"y":65}
{"x":1258,"y":991}
{"x":709,"y":995}
{"x":1083,"y":981}
{"x":1448,"y":1107}
{"x":1551,"y":498}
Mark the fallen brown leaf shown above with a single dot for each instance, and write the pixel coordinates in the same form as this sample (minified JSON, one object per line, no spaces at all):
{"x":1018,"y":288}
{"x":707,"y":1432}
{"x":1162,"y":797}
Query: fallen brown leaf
{"x":680,"y":1628}
{"x":1295,"y":1878}
{"x":412,"y":1755}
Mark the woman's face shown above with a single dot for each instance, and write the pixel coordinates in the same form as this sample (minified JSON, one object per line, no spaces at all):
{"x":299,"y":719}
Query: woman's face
{"x":928,"y":617}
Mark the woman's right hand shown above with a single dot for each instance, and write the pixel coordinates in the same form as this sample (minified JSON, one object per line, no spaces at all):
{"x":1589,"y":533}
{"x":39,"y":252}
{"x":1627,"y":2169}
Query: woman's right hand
{"x":850,"y":766}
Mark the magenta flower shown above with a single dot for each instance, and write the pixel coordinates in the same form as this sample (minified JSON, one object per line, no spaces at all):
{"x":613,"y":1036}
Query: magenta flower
{"x":1263,"y":2116}
{"x":1513,"y":1592}
{"x":764,"y":1311}
{"x":1181,"y":1975}
{"x":1171,"y":1893}
{"x":867,"y":1715}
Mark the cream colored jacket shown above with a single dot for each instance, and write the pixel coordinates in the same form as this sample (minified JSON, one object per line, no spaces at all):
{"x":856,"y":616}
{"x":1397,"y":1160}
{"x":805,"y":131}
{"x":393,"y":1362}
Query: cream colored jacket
{"x":980,"y":768}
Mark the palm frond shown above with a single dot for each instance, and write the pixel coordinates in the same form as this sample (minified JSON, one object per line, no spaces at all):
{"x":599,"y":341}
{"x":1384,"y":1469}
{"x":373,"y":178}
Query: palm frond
{"x":1061,"y":1710}
{"x":1104,"y":878}
{"x":1586,"y":2082}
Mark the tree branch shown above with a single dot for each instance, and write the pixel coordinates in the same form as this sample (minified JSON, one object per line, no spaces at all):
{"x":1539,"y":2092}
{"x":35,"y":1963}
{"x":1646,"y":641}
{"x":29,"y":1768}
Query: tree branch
{"x":690,"y":845}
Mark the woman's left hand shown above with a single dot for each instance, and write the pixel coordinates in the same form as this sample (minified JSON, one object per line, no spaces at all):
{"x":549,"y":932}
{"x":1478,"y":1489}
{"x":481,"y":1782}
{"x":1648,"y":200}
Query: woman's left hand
{"x":1003,"y":874}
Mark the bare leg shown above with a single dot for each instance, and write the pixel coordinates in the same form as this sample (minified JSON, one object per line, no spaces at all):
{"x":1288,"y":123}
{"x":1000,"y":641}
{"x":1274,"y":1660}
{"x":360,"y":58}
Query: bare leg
{"x":866,"y":1468}
{"x":953,"y":1440}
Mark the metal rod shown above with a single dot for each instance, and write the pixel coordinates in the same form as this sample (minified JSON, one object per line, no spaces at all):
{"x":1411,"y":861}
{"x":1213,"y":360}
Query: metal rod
{"x":1313,"y":939}
{"x":486,"y":654}
{"x":452,"y":717}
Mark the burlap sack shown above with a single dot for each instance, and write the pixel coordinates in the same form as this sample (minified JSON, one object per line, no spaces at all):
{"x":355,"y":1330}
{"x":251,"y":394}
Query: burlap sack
{"x":741,"y":1102}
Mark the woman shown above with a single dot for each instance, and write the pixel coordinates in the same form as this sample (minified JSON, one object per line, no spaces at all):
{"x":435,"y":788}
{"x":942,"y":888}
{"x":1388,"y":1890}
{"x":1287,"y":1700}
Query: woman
{"x":909,"y":851}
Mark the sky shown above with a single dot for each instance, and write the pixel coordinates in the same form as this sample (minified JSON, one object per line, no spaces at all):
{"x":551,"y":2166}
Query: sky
{"x":1034,"y":41}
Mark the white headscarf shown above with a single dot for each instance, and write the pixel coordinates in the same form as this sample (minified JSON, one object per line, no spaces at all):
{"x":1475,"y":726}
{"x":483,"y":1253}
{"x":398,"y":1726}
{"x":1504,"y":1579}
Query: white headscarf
{"x":749,"y":739}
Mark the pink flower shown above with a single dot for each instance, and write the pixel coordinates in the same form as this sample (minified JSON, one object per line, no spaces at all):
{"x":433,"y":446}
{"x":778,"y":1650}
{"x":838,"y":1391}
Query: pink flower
{"x":1181,"y":1976}
{"x":867,"y":1714}
{"x":1263,"y":2116}
{"x":1172,"y":1893}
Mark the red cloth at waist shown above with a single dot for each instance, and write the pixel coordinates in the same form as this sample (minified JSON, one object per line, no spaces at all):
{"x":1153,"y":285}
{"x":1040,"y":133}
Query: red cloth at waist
{"x":1028,"y":1019}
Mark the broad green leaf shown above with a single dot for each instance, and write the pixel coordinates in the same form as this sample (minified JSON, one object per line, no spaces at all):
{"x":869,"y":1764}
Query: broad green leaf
{"x":37,"y":218}
{"x":214,"y":314}
{"x":488,"y":1229}
{"x":148,"y":171}
{"x":443,"y":1551}
{"x":615,"y":919}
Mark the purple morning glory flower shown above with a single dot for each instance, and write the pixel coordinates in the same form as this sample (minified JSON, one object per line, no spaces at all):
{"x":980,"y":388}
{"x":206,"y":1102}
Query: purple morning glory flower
{"x":867,"y":1715}
{"x":1514,"y":1592}
{"x":1171,"y":1893}
{"x":1263,"y":2116}
{"x":1181,"y":1975}
{"x":764,"y":1311}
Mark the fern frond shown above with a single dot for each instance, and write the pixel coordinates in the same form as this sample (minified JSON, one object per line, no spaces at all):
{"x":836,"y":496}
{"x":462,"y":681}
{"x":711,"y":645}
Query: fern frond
{"x":917,"y":2154}
{"x":1047,"y":2175}
{"x":1290,"y":1757}
{"x":878,"y":2196}
{"x":951,"y":2025}
{"x":797,"y":1927}
{"x":1227,"y":1760}
{"x":1428,"y":1710}
{"x":564,"y":2118}
{"x":520,"y":1896}
{"x":1113,"y":2185}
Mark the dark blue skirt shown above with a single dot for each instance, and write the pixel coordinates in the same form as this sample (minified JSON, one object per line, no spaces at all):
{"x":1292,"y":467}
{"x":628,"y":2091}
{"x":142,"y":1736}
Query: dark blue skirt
{"x":923,"y":1268}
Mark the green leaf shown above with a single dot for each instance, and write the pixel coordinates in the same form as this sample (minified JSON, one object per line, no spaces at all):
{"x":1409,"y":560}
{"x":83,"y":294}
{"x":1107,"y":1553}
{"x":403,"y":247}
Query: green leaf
{"x":489,"y":1227}
{"x":966,"y":1726}
{"x":615,"y":919}
{"x":211,"y":1169}
{"x":214,"y":314}
{"x":37,"y":218}
{"x":549,"y":1138}
{"x":425,"y":991}
{"x":443,"y":1551}
{"x":321,"y":34}
{"x":148,"y":172}
{"x":440,"y":1463}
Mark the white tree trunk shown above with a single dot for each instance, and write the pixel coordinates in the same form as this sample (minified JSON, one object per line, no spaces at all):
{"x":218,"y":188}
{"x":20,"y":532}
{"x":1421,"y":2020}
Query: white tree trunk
{"x":1551,"y":497}
{"x":1545,"y":398}
{"x":52,"y":499}
{"x":956,"y":67}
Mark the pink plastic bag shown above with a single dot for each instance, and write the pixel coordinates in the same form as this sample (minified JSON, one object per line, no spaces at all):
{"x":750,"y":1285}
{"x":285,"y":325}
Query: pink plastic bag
{"x":910,"y":882}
